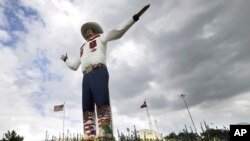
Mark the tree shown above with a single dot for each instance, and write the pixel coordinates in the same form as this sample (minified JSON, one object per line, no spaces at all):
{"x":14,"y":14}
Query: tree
{"x":211,"y":134}
{"x":171,"y":136}
{"x":12,"y":136}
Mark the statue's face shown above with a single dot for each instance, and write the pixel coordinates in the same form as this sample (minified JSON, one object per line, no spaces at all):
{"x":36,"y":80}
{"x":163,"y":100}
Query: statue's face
{"x":89,"y":33}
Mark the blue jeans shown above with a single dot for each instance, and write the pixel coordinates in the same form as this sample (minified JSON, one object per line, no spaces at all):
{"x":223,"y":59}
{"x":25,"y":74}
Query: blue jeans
{"x":95,"y":89}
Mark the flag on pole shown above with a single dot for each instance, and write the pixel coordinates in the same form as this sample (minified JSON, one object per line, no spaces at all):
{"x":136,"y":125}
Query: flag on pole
{"x":58,"y":108}
{"x":144,"y":104}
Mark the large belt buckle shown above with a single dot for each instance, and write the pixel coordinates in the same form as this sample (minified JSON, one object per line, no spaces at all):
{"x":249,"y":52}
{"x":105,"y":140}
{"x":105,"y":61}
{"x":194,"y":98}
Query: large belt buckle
{"x":88,"y":69}
{"x":91,"y":67}
{"x":97,"y":65}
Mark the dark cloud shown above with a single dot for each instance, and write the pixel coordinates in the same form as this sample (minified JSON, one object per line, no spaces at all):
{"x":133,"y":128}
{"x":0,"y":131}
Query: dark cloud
{"x":128,"y":82}
{"x":206,"y":68}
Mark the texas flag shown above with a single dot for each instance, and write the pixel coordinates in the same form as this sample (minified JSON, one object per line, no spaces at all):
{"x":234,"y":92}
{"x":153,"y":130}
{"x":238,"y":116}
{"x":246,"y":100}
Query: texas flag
{"x":144,"y":104}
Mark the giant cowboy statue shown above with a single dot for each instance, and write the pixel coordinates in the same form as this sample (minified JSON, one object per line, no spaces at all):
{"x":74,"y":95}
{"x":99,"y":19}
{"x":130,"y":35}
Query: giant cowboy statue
{"x":95,"y":89}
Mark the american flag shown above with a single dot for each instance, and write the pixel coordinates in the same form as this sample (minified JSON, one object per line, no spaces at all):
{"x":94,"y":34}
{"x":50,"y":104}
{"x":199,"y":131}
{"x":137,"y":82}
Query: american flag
{"x":58,"y":108}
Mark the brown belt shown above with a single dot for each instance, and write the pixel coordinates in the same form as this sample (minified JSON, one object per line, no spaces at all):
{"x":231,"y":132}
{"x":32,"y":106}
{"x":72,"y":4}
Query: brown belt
{"x":92,"y":67}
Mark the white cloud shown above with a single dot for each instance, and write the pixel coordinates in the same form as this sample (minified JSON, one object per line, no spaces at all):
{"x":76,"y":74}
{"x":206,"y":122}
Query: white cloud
{"x":130,"y":52}
{"x":4,"y":36}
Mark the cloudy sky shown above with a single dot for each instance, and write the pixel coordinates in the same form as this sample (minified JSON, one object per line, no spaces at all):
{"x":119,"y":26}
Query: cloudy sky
{"x":198,"y":48}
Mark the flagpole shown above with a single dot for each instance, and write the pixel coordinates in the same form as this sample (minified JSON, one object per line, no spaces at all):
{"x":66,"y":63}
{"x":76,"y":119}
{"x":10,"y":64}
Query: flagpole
{"x":149,"y":120}
{"x":63,"y":118}
{"x":182,"y":95}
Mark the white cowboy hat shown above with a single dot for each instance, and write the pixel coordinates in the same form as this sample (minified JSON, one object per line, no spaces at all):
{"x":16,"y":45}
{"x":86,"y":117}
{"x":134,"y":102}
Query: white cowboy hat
{"x":91,"y":25}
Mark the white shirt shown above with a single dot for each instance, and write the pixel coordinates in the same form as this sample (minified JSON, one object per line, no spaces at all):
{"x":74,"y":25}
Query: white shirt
{"x":94,"y":50}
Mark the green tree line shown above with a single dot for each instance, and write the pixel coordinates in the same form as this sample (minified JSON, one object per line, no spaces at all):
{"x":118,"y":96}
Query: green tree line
{"x":208,"y":135}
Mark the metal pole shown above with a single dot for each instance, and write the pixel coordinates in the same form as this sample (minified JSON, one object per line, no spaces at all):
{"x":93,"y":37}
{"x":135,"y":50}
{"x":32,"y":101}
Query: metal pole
{"x":182,"y":95}
{"x":149,"y":119}
{"x":63,"y":118}
{"x":157,"y":129}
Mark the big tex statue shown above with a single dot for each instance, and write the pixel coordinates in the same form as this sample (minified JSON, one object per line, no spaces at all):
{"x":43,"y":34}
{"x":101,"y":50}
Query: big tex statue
{"x":95,"y":90}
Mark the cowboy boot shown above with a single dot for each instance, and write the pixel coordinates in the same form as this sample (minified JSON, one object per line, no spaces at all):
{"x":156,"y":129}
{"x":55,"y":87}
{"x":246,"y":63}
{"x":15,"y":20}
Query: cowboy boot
{"x":89,"y":126}
{"x":104,"y":123}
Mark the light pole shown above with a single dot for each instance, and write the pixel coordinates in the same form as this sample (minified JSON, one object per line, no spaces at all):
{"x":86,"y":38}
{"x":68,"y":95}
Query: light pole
{"x":182,"y":95}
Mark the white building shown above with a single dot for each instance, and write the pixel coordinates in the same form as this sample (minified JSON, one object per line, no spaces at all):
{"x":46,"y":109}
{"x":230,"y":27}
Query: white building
{"x":147,"y":134}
